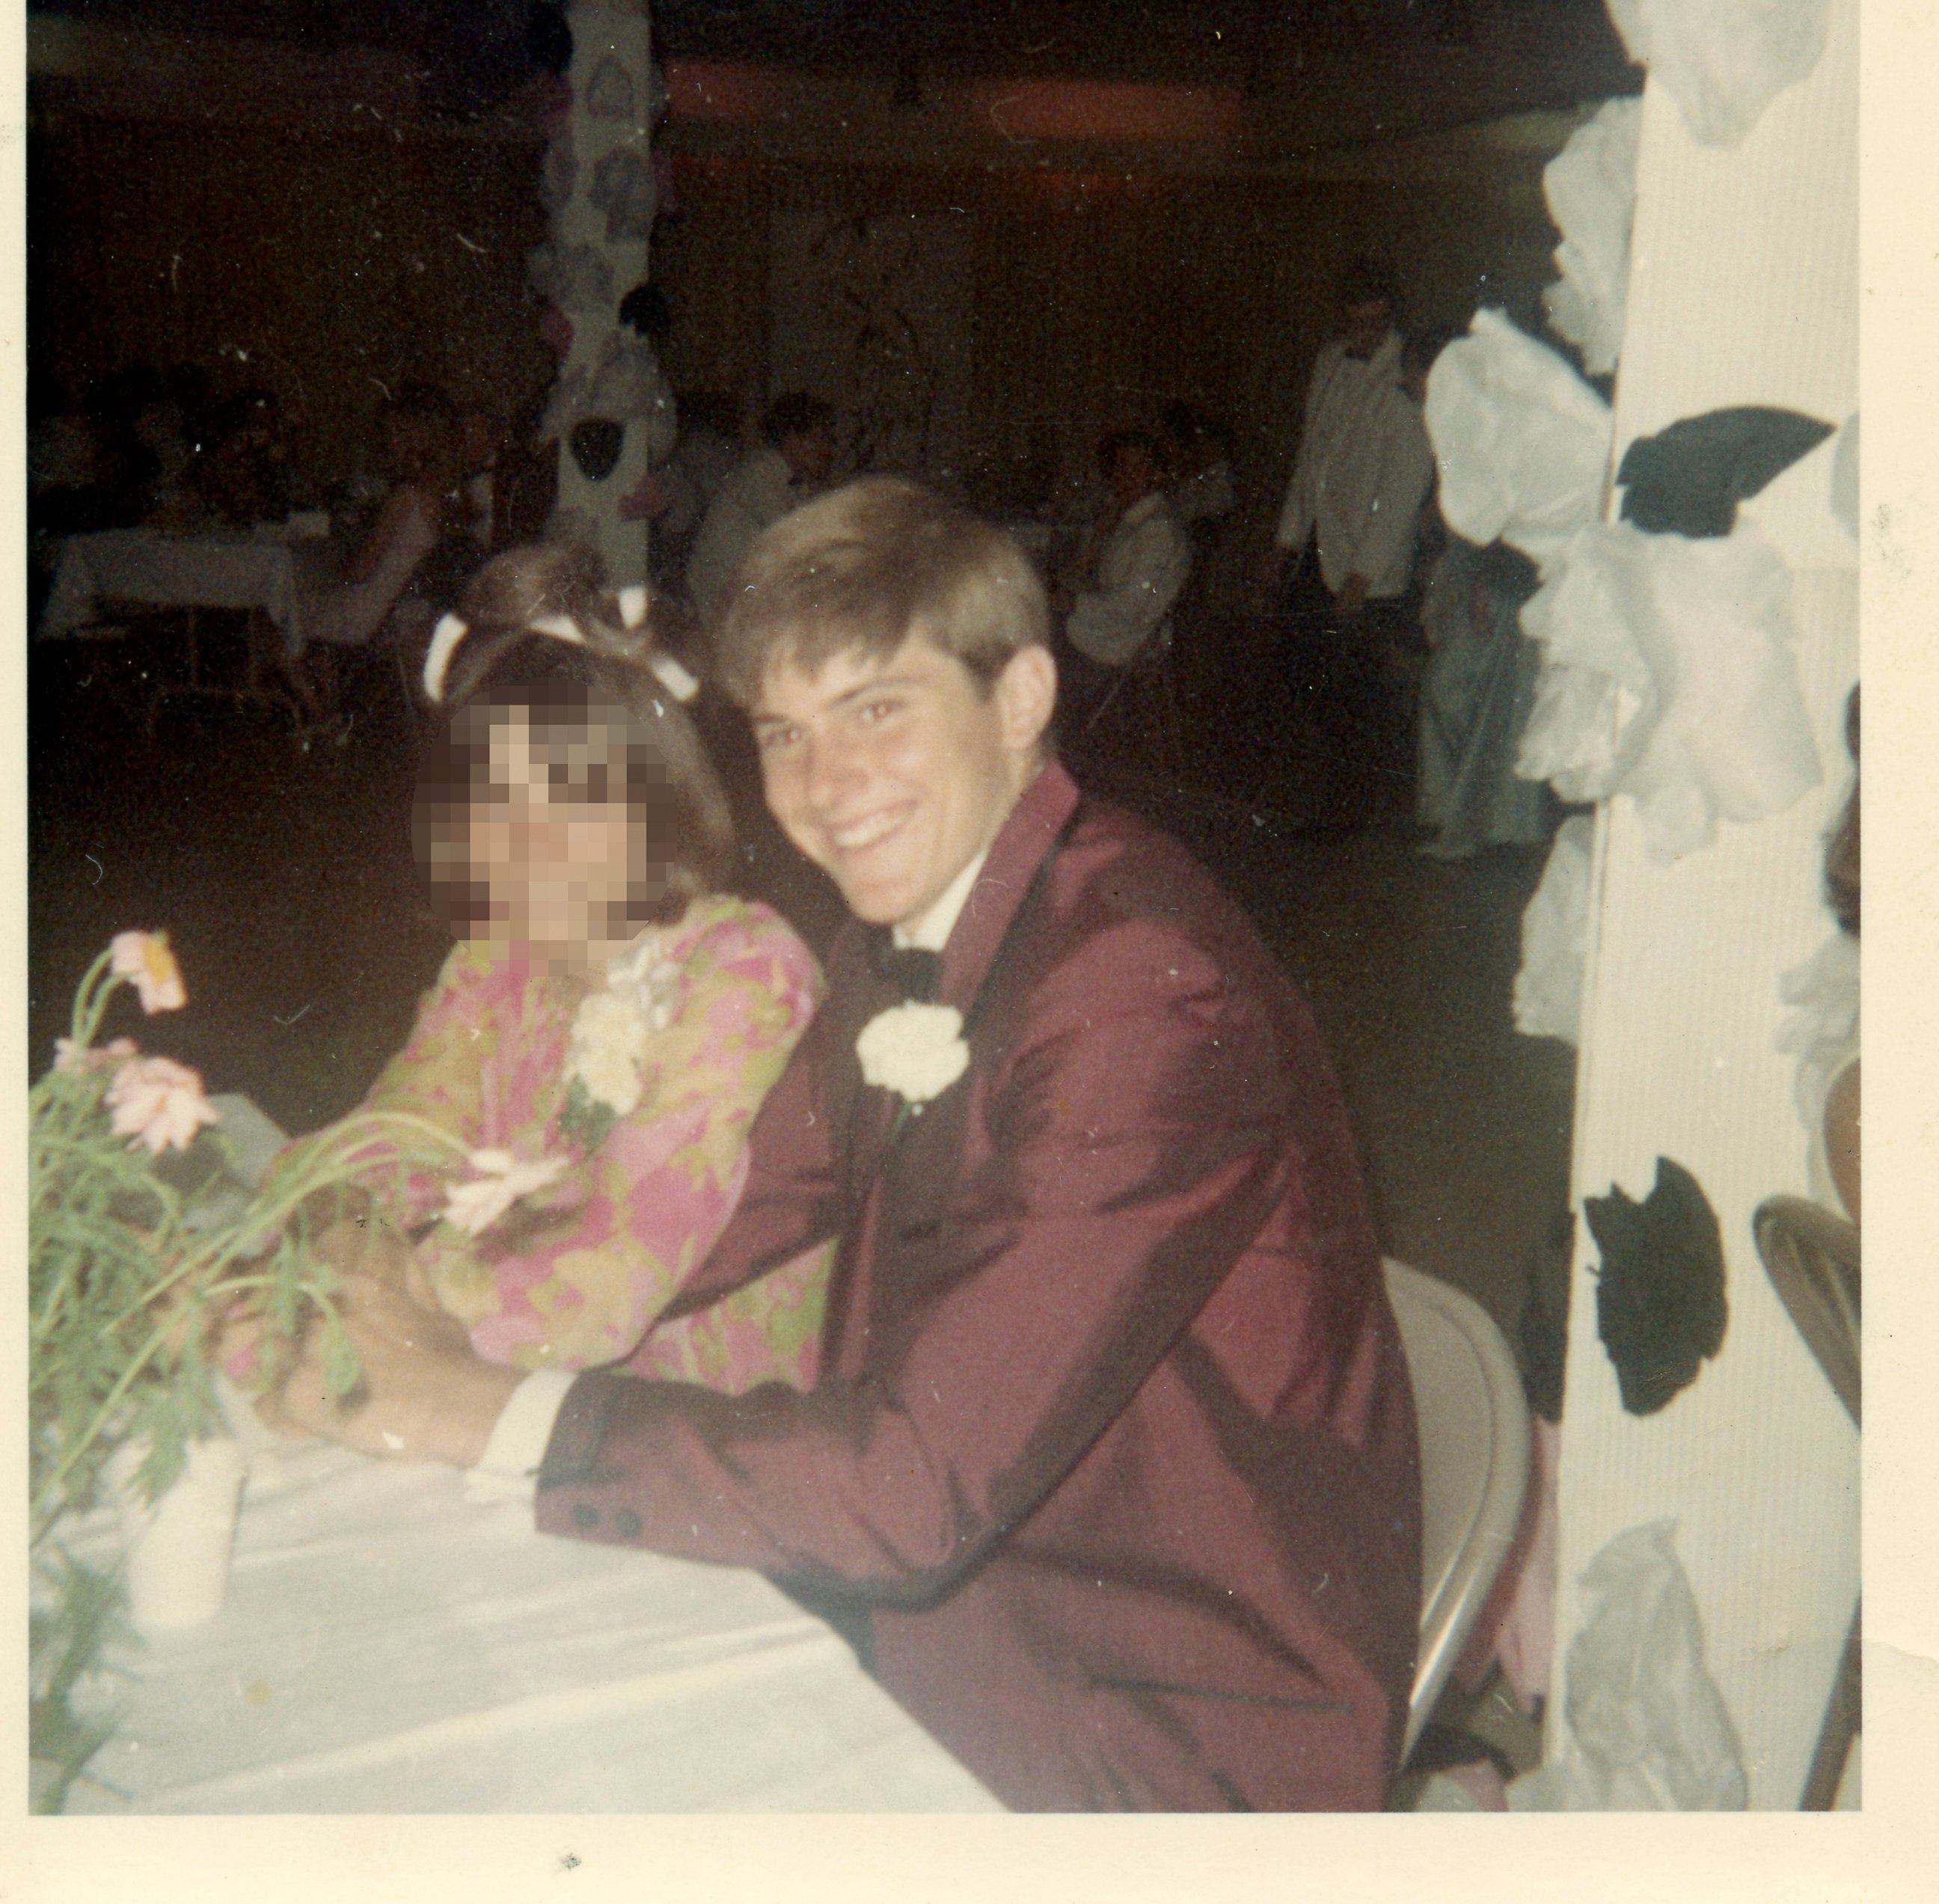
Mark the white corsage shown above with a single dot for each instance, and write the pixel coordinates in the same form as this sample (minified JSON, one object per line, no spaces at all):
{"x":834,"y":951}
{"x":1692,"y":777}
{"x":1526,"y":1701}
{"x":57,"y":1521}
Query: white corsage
{"x":612,"y":1033}
{"x":916,"y":1051}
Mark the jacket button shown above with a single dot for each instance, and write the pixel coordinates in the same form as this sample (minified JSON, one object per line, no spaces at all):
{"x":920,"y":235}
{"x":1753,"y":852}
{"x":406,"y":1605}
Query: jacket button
{"x":626,"y":1524}
{"x":585,"y":1515}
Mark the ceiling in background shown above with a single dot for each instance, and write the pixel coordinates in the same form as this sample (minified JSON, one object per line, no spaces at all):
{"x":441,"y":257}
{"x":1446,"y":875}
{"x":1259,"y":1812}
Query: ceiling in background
{"x":473,"y":49}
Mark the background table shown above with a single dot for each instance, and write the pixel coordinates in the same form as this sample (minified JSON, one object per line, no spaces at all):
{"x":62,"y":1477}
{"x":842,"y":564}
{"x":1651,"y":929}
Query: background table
{"x":388,"y":1647}
{"x":164,"y":572}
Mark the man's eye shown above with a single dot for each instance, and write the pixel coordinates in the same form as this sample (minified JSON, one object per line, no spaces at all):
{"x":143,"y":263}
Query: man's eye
{"x":873,"y":711}
{"x":768,"y":739}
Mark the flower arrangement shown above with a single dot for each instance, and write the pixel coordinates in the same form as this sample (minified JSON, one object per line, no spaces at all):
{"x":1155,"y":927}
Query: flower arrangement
{"x":145,"y":1244}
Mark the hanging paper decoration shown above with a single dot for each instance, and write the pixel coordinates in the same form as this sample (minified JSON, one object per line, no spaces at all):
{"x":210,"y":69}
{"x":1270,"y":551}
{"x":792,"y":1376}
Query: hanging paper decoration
{"x":1723,"y":61}
{"x":1660,"y":1304}
{"x":1688,"y":480}
{"x":1590,"y":187}
{"x":1668,"y":674}
{"x":1522,"y":442}
{"x":610,"y":410}
{"x":1555,"y":938}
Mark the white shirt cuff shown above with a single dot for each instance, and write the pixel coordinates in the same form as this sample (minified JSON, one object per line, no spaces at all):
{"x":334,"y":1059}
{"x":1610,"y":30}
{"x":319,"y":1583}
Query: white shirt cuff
{"x":508,"y":1470}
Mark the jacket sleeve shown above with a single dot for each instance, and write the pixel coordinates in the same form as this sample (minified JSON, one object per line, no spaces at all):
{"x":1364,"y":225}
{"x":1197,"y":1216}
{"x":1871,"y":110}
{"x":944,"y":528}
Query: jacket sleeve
{"x":1406,"y":475}
{"x":1298,"y":512}
{"x":1139,"y":1133}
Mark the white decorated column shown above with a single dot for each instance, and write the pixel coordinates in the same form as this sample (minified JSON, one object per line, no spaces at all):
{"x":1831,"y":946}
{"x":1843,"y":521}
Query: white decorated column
{"x":611,"y":412}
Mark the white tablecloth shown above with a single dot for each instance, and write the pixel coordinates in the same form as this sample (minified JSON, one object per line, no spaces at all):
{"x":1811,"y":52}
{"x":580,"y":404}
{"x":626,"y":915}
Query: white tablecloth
{"x":387,"y":1646}
{"x":169,"y":572}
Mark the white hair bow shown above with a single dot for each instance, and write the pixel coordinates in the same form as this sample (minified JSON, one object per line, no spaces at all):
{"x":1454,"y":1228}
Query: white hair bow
{"x":451,"y":630}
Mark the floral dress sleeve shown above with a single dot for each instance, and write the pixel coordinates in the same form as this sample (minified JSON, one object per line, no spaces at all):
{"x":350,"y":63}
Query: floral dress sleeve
{"x":576,"y":1276}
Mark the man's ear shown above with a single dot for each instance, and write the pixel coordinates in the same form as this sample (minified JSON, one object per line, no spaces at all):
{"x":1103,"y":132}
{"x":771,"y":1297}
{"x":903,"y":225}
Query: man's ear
{"x":1026,"y":697}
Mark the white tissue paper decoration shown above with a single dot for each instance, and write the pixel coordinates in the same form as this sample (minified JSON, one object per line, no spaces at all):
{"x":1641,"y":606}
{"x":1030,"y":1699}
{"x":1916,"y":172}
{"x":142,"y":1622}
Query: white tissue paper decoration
{"x":1647,"y":1729}
{"x":1555,"y":939}
{"x":1522,"y":442}
{"x":1821,"y":1031}
{"x":1590,"y":187}
{"x":1845,"y":477}
{"x":1668,"y":674}
{"x":1723,"y":61}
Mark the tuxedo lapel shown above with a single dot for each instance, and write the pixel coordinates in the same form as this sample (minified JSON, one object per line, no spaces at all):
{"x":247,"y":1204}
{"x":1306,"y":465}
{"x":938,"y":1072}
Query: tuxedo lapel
{"x":1035,"y":822}
{"x":1015,"y":859}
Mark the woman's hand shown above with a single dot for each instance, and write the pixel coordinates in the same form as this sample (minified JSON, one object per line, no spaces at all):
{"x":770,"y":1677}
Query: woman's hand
{"x":423,"y":1396}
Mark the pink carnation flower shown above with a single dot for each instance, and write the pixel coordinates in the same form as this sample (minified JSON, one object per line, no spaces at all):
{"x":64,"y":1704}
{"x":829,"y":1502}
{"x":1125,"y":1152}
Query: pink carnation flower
{"x":161,"y":1103}
{"x":145,"y":957}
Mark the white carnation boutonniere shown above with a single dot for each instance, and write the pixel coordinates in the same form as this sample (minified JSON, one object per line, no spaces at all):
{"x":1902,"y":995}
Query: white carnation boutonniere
{"x":916,"y":1051}
{"x":612,"y":1033}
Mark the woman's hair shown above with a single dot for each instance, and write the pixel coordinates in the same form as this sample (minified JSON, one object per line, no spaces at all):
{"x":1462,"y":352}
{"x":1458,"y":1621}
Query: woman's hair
{"x":1841,"y":855}
{"x":866,"y":568}
{"x":606,"y":727}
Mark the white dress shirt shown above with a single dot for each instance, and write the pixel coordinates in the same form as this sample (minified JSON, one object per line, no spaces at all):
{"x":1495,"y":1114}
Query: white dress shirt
{"x":759,"y":492}
{"x":1143,"y":567}
{"x":1364,"y":469}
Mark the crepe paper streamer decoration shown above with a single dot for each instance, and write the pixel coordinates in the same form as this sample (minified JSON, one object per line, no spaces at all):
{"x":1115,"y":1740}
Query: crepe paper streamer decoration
{"x":1668,"y":674}
{"x":1522,"y":442}
{"x":1555,"y":938}
{"x":1660,"y":1304}
{"x":1590,"y":187}
{"x":1688,"y":480}
{"x":1723,"y":61}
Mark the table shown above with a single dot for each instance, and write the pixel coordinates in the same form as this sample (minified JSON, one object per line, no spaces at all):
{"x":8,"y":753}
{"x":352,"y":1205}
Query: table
{"x":164,"y":572}
{"x":387,"y":1645}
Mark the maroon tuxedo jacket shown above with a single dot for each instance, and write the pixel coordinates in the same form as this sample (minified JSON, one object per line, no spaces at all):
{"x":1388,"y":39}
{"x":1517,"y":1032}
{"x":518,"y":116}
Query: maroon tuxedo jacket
{"x":1114,"y":1435}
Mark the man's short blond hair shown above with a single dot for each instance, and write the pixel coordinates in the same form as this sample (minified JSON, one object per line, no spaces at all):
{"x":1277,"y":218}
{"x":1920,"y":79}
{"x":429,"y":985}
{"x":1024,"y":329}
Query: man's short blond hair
{"x":864,"y":568}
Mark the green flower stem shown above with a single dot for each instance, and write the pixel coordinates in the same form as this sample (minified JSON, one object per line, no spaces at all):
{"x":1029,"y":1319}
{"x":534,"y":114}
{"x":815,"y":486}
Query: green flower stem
{"x":88,"y":1009}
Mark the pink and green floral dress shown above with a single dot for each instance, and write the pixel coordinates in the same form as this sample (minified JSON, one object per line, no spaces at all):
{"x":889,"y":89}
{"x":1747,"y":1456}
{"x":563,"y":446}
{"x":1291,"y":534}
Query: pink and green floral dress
{"x":685,"y":1043}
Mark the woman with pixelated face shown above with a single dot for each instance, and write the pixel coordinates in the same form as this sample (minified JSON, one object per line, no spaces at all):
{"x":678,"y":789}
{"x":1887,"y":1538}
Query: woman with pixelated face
{"x":609,"y":1006}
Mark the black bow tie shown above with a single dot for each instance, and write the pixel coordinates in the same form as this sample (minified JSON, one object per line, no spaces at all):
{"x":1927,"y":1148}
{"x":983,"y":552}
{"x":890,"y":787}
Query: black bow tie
{"x":917,"y":975}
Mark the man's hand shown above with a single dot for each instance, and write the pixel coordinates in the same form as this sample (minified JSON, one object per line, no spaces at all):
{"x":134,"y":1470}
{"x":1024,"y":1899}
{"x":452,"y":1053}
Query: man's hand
{"x":423,"y":1397}
{"x":1352,"y":598}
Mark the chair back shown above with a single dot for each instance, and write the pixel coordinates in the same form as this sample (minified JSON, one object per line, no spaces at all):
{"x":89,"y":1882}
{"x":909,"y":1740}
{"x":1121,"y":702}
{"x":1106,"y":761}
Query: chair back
{"x":1472,"y":1420}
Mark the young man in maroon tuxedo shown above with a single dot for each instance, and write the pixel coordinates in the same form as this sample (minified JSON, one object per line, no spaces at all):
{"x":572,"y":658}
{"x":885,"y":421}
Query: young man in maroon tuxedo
{"x":1113,"y":1451}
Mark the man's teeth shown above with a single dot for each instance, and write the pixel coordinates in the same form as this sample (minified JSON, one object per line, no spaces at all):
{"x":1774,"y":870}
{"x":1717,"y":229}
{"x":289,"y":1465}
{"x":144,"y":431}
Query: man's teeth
{"x":863,"y":833}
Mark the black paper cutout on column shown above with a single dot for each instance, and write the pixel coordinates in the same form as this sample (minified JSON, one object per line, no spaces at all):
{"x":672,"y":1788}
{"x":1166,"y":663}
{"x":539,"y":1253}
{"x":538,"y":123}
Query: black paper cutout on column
{"x":596,"y":444}
{"x":1660,"y":1304}
{"x":1688,"y":479}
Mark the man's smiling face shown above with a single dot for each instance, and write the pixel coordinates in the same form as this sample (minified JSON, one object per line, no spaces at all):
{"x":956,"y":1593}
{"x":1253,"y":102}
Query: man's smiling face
{"x":892,"y":773}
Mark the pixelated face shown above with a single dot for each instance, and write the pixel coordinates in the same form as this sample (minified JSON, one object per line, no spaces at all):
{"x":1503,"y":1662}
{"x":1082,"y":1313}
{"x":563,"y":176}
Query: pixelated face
{"x":543,"y":841}
{"x":893,"y":773}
